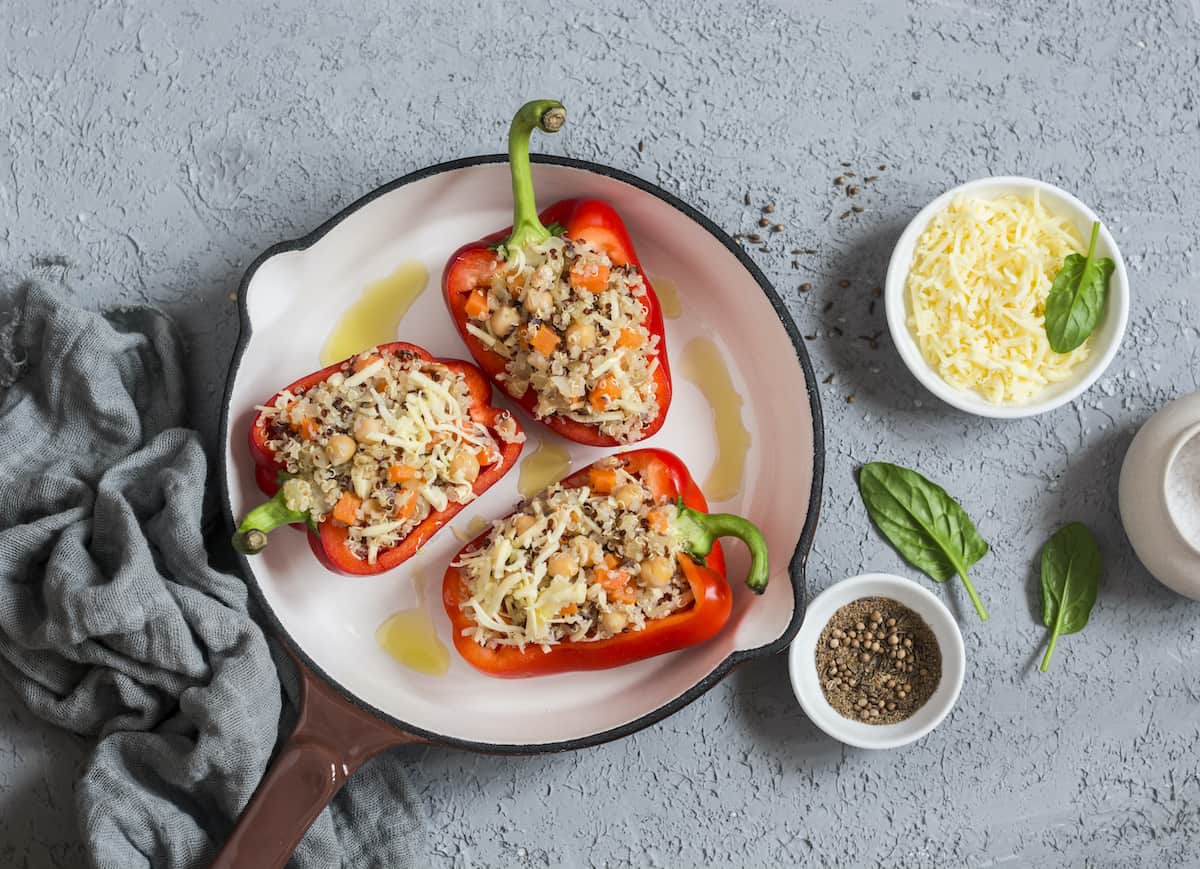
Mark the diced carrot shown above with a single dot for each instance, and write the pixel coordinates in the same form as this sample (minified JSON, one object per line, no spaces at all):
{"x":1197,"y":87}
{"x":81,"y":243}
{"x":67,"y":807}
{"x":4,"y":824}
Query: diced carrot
{"x":604,"y":393}
{"x":346,"y":509}
{"x":484,"y":458}
{"x":406,"y":506}
{"x":309,"y":428}
{"x":363,"y":360}
{"x":544,"y":340}
{"x":477,"y":305}
{"x":602,"y":480}
{"x":516,"y":281}
{"x":657,"y":520}
{"x":569,"y":610}
{"x":629,"y":339}
{"x":401,"y":473}
{"x":610,"y":560}
{"x":589,"y":276}
{"x":616,"y":584}
{"x":624,"y":594}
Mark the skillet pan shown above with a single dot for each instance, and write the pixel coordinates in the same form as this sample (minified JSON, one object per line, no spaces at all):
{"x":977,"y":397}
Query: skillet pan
{"x":357,"y":699}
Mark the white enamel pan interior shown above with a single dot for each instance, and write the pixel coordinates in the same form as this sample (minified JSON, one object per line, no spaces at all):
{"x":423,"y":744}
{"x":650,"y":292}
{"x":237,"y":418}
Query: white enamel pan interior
{"x":292,"y":296}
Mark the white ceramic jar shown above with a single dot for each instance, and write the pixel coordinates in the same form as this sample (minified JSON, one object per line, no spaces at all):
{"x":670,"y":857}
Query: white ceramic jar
{"x":1160,"y":495}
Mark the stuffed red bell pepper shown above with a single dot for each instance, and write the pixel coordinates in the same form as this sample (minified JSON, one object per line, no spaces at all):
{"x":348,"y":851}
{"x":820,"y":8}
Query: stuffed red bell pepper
{"x":558,"y":312}
{"x":616,"y":563}
{"x":375,"y":454}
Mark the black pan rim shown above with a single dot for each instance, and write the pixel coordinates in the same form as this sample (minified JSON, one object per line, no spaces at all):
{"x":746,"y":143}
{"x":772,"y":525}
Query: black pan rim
{"x":796,"y":565}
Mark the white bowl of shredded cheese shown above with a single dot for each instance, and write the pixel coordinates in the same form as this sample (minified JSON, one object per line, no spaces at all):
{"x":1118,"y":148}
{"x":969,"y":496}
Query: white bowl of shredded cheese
{"x":966,"y":289}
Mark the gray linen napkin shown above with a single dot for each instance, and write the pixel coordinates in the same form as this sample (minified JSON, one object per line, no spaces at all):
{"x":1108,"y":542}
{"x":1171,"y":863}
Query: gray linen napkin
{"x":112,"y":622}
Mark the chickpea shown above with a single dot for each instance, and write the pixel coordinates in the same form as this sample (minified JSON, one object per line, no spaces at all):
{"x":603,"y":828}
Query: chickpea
{"x":364,"y":427}
{"x":505,"y":320}
{"x":581,"y":335}
{"x":657,"y":571}
{"x":628,"y":496}
{"x":613,"y":622}
{"x":341,"y":449}
{"x":539,"y":303}
{"x":562,"y":565}
{"x":524,"y":522}
{"x":590,"y":552}
{"x":464,"y":467}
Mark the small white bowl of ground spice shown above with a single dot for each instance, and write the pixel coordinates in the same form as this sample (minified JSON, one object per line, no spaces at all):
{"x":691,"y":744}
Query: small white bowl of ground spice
{"x":878,"y":662}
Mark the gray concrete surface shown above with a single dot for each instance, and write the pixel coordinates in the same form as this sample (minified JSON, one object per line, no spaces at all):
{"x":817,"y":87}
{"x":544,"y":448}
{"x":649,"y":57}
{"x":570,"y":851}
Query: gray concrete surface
{"x":157,"y":148}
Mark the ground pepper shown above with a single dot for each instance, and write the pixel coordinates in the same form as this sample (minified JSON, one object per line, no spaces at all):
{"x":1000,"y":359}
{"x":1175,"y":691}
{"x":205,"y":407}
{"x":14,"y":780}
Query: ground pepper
{"x":878,"y":661}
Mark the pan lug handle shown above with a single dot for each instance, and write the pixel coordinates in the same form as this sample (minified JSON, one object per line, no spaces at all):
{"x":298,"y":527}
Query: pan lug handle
{"x":332,"y":739}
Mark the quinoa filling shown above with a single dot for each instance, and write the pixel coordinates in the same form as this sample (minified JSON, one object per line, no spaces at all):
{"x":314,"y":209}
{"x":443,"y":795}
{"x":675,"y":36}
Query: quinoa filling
{"x":380,"y":444}
{"x":572,"y":327}
{"x":577,"y":565}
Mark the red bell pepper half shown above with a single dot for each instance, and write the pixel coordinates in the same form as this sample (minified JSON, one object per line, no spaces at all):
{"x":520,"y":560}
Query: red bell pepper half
{"x":329,"y":539}
{"x":590,"y":220}
{"x":704,"y":567}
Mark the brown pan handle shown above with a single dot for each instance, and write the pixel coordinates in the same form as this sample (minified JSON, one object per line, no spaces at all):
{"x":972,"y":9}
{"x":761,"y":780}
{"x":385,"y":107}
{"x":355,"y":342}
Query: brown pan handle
{"x":332,"y":739}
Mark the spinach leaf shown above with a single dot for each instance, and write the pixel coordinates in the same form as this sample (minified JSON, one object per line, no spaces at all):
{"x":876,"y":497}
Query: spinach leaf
{"x":927,"y":527}
{"x":1070,"y":580}
{"x":1077,"y":297}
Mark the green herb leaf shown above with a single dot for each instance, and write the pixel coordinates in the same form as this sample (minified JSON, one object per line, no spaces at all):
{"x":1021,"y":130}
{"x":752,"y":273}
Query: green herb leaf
{"x":927,"y":527}
{"x":1070,"y":580}
{"x":1077,"y":298}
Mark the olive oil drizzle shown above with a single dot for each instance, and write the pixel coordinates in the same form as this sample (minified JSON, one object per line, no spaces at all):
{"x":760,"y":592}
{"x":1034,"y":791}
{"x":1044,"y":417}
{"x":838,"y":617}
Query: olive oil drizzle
{"x":703,"y":365}
{"x":375,"y":316}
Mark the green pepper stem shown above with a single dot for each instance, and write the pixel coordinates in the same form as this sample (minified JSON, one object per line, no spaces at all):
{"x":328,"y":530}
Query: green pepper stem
{"x":251,"y":536}
{"x":547,"y":116}
{"x":700,"y":531}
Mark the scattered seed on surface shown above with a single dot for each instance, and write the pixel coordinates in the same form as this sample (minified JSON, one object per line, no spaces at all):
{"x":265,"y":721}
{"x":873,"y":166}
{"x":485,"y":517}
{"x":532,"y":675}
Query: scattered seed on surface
{"x":883,"y":167}
{"x":844,"y":214}
{"x":746,"y":199}
{"x":870,"y":178}
{"x":804,"y":288}
{"x":843,"y":283}
{"x":829,"y":379}
{"x":828,"y":307}
{"x":850,"y":399}
{"x":839,"y":181}
{"x":769,"y":208}
{"x":754,"y":238}
{"x":762,"y":221}
{"x":857,"y":209}
{"x":853,"y":190}
{"x":641,"y":146}
{"x":779,"y":227}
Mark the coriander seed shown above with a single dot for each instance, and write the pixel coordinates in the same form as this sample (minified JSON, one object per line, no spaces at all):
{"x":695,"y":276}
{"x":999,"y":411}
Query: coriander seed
{"x":869,"y":673}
